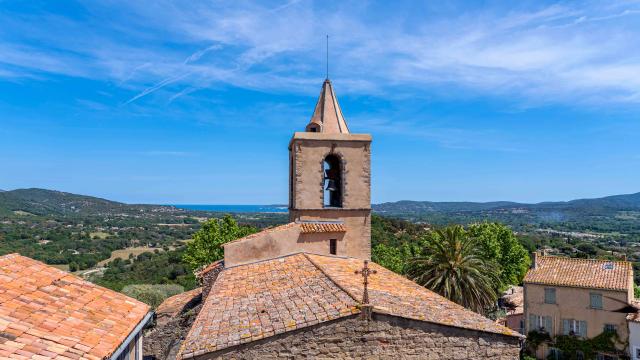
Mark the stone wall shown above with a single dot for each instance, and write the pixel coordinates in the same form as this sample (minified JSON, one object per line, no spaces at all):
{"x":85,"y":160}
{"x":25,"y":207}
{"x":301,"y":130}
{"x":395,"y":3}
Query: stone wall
{"x":162,"y":341}
{"x":386,"y":337}
{"x":209,"y":278}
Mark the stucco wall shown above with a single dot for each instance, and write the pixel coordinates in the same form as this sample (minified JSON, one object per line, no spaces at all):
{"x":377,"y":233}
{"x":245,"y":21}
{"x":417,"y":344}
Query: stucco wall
{"x":574,"y":303}
{"x":357,"y":239}
{"x":269,"y":245}
{"x":513,"y":322}
{"x":386,"y":337}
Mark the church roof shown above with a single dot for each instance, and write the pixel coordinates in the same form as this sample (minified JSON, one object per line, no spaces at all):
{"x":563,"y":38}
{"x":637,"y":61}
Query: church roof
{"x":259,"y":300}
{"x":327,"y":114}
{"x":47,"y":313}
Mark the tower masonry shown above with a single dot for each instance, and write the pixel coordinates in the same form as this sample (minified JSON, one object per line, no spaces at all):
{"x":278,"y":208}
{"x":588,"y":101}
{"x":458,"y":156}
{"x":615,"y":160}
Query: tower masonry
{"x":330,"y":176}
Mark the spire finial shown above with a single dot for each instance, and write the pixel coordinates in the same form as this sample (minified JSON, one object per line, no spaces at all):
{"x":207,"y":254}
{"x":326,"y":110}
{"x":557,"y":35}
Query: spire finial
{"x":327,"y":56}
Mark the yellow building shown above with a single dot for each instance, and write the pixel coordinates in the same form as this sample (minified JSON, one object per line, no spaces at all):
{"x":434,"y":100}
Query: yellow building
{"x":578,"y":297}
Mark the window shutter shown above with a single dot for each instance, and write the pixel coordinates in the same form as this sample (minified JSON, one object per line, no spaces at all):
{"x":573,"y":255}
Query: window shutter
{"x":533,"y":323}
{"x":566,"y":327}
{"x":548,"y":324}
{"x":583,"y":329}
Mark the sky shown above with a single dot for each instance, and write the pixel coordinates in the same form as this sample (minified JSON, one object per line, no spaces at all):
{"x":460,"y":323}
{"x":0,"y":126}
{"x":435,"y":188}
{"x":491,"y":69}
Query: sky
{"x":194,"y":102}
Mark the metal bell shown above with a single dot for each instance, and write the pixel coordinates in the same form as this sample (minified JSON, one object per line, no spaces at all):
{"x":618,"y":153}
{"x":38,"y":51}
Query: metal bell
{"x":331,"y":185}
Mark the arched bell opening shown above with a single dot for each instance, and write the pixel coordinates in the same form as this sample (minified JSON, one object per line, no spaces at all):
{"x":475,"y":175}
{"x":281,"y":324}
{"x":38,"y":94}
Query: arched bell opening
{"x":332,"y":181}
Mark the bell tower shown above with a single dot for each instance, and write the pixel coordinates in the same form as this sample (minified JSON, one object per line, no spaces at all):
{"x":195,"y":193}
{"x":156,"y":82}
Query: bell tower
{"x":330,"y":177}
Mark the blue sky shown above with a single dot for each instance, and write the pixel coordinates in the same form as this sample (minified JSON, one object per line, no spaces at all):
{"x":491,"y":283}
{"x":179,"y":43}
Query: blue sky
{"x":195,"y":102}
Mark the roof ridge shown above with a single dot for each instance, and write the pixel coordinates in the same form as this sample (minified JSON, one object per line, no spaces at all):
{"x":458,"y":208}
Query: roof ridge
{"x":582,"y":259}
{"x":340,"y":286}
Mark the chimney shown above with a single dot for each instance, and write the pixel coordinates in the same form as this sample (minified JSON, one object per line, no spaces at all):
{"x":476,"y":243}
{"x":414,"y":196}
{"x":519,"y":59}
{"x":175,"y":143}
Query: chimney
{"x":534,"y":259}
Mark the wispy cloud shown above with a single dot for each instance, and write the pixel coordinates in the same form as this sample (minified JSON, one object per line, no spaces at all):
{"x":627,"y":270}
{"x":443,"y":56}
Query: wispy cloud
{"x":578,"y":52}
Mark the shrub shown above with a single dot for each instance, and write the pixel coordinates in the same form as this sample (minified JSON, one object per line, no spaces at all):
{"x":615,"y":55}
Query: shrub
{"x":153,"y":295}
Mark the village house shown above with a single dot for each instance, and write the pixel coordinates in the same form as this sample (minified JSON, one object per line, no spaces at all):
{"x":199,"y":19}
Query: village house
{"x":578,"y":297}
{"x":46,"y":313}
{"x":306,"y":289}
{"x":512,"y":302}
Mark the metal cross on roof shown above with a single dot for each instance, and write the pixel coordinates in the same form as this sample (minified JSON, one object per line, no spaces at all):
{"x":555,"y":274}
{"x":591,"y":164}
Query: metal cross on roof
{"x":366,"y":272}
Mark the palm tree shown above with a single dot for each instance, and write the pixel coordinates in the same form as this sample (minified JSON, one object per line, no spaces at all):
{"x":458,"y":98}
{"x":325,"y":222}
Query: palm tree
{"x":452,"y":267}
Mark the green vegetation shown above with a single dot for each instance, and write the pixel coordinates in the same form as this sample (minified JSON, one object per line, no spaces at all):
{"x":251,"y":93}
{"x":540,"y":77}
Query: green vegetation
{"x":206,"y":246}
{"x":147,"y":268}
{"x":117,"y":244}
{"x":573,"y":347}
{"x":453,"y":266}
{"x":152,"y":295}
{"x":498,"y":243}
{"x":448,"y":260}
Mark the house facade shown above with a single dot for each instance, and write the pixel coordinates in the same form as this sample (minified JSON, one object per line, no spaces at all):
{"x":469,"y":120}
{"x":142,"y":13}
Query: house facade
{"x":577,"y":297}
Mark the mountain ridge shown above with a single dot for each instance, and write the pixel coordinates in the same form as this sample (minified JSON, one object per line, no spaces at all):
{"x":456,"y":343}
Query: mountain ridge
{"x":53,"y":202}
{"x":613,"y":202}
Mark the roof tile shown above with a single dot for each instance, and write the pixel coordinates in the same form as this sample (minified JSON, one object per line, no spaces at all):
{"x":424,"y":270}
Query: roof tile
{"x":586,"y":273}
{"x":322,"y":227}
{"x":258,"y":300}
{"x":53,"y":314}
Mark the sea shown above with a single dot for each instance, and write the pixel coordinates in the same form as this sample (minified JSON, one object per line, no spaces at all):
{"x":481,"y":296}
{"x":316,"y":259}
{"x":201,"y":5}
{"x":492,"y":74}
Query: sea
{"x":235,"y":208}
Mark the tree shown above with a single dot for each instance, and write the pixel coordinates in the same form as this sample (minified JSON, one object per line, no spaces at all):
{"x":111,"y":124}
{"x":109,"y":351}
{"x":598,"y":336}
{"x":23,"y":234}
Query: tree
{"x":206,"y":246}
{"x":498,"y":243}
{"x":453,"y":266}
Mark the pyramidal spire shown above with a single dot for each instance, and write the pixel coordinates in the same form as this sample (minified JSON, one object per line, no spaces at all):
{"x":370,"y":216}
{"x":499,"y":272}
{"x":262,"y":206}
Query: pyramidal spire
{"x":327,"y":116}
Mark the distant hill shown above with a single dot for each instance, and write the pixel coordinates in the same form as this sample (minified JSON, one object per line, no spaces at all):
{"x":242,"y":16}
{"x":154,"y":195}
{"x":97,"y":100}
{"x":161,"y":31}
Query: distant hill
{"x":612,"y":213}
{"x":51,"y":202}
{"x":630,"y":202}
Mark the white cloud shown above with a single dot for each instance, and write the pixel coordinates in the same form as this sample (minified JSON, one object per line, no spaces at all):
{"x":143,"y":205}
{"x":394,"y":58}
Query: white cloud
{"x":570,"y":53}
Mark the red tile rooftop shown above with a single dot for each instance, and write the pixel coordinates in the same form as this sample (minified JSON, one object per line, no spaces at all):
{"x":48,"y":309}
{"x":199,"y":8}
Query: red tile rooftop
{"x":46,"y":313}
{"x":262,"y":299}
{"x":586,"y":273}
{"x":322,"y":227}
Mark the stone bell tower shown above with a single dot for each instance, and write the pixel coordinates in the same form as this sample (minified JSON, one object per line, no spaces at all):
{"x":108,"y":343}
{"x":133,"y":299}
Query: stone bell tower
{"x":330,"y":177}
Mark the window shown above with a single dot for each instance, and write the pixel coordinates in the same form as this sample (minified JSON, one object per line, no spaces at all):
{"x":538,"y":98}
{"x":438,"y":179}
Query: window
{"x":610,"y":328}
{"x":554,"y":353}
{"x":333,"y":246}
{"x":637,"y":352}
{"x":574,"y":327}
{"x":606,"y":357}
{"x":549,"y":295}
{"x":541,"y":323}
{"x":596,"y":301}
{"x":332,"y":181}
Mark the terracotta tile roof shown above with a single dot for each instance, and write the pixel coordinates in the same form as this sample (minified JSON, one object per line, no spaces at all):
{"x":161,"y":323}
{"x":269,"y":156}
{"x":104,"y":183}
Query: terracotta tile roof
{"x":46,"y":313}
{"x":262,"y":299}
{"x":254,"y":301}
{"x":586,"y":273}
{"x":394,"y":294}
{"x":173,"y":306}
{"x":266,"y":231}
{"x":513,"y":299}
{"x":322,"y":227}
